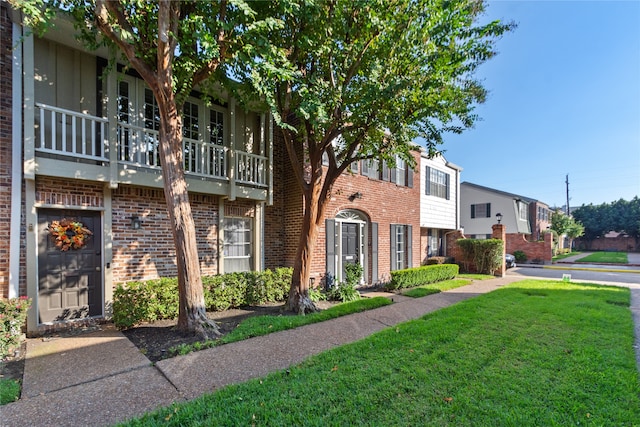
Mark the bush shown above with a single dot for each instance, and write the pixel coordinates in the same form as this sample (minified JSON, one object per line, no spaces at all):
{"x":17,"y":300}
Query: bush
{"x":484,"y":255}
{"x":13,"y":313}
{"x":439,"y":260}
{"x":520,"y":256}
{"x":417,"y":276}
{"x":137,"y":302}
{"x":346,"y":291}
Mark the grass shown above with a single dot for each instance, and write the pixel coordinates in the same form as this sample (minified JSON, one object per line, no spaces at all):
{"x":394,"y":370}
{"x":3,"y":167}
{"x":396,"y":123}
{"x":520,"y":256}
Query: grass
{"x":434,"y":288}
{"x":262,"y":325}
{"x":532,"y":353}
{"x":560,"y":257}
{"x":9,"y":391}
{"x":606,"y":257}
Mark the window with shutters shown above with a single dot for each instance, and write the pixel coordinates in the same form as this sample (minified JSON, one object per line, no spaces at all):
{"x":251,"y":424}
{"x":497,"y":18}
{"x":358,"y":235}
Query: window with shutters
{"x":481,"y":210}
{"x":437,"y":183}
{"x":400,"y":246}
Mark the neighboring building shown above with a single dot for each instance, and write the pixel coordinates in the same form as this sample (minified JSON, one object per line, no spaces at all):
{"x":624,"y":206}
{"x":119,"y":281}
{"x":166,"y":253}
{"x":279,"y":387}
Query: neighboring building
{"x":479,"y":206}
{"x":439,"y":204}
{"x":372,"y":219}
{"x":79,"y":145}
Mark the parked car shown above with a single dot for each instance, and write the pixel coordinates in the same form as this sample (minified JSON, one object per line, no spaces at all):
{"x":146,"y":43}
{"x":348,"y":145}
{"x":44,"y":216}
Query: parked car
{"x":510,"y":260}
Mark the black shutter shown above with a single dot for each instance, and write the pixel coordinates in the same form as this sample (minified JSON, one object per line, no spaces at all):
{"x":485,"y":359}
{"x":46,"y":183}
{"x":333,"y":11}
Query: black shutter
{"x":374,"y":252}
{"x":427,"y":181}
{"x":473,"y":211}
{"x":488,"y":210}
{"x":330,"y":230}
{"x":447,"y":181}
{"x":409,"y":246}
{"x":409,"y":177}
{"x":392,"y":239}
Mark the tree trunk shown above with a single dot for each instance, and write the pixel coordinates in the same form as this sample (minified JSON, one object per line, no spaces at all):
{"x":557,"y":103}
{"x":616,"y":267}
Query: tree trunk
{"x":192,"y":314}
{"x":299,"y":300}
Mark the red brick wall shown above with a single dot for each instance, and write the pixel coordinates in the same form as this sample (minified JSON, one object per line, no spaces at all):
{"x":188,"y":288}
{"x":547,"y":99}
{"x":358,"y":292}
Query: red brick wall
{"x":535,"y":251}
{"x":5,"y":142}
{"x":383,"y":202}
{"x":149,"y":252}
{"x":621,"y":244}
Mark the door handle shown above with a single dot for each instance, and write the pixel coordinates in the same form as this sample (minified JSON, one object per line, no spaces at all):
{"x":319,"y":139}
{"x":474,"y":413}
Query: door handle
{"x":98,"y":268}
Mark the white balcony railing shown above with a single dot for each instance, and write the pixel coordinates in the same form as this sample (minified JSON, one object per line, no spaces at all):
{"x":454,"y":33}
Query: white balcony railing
{"x":250,"y":169}
{"x":69,"y":133}
{"x":73,"y":134}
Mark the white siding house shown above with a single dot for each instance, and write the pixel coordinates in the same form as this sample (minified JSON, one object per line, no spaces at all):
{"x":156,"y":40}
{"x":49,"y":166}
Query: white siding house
{"x":439,"y":203}
{"x":479,"y":206}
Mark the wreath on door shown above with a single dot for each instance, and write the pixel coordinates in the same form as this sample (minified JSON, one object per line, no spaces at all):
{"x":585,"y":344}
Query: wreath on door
{"x":68,"y":234}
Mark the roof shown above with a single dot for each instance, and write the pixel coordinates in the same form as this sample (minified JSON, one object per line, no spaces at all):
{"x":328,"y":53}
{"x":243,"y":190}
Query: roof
{"x":504,"y":193}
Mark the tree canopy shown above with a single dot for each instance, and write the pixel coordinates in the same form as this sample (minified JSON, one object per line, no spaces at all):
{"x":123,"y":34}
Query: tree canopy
{"x":621,"y":216}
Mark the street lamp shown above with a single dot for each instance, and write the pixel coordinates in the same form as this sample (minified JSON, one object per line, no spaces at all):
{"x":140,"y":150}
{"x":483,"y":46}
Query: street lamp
{"x":499,"y":217}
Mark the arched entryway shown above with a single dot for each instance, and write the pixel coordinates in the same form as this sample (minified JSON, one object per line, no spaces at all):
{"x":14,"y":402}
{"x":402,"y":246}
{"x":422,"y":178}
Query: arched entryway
{"x":349,"y":242}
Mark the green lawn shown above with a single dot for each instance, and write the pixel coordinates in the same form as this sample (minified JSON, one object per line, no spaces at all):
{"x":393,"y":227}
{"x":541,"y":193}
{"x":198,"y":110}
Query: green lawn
{"x":567,"y":255}
{"x":612,"y":257}
{"x":534,"y":353}
{"x":9,"y":391}
{"x":262,"y":325}
{"x":434,"y":288}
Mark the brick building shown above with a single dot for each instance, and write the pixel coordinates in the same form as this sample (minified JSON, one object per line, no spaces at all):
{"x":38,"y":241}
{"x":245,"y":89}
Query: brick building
{"x":78,"y":142}
{"x":68,"y":154}
{"x":372,"y":219}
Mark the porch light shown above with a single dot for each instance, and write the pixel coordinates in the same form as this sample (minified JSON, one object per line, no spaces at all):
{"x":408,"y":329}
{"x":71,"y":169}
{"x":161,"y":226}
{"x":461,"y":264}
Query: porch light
{"x":357,"y":195}
{"x":499,"y":217}
{"x":136,"y":224}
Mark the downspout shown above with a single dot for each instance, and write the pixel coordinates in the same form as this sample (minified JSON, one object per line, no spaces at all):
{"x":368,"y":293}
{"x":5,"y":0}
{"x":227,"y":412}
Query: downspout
{"x":16,"y":164}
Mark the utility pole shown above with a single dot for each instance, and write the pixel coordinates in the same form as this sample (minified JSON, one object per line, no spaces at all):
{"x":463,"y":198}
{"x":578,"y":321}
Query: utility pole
{"x":567,"y":182}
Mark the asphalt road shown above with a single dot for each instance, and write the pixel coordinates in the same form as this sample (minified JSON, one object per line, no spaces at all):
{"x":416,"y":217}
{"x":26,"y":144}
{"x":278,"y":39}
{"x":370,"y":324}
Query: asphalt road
{"x":597,"y":275}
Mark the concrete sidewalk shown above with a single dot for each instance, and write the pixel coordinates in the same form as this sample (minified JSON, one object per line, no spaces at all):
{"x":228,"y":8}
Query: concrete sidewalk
{"x":101,"y":378}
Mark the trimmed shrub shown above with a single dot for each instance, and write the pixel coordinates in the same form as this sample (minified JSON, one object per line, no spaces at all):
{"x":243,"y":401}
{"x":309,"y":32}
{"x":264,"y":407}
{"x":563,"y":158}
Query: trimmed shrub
{"x":137,"y":302}
{"x":520,"y":256}
{"x":484,"y":255}
{"x":417,"y":276}
{"x":439,"y":260}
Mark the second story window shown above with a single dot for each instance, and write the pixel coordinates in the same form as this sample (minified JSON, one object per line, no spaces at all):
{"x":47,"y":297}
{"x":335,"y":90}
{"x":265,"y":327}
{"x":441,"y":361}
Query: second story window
{"x":482,"y":210}
{"x":523,"y":210}
{"x":216,"y":127}
{"x":437,"y":183}
{"x":190,"y":121}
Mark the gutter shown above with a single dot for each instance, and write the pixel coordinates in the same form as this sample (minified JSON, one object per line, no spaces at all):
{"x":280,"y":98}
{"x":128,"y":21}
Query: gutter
{"x":16,"y":164}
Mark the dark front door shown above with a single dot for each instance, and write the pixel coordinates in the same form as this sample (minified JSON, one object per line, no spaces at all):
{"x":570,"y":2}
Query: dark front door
{"x":350,"y":245}
{"x":69,"y":281}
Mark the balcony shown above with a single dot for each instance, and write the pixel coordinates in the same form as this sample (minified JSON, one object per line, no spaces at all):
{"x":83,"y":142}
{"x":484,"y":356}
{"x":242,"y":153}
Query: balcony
{"x":64,"y":135}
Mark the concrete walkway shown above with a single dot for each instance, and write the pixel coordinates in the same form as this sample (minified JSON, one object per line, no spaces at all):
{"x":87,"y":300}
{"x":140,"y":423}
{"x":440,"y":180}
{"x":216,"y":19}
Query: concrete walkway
{"x":101,"y":378}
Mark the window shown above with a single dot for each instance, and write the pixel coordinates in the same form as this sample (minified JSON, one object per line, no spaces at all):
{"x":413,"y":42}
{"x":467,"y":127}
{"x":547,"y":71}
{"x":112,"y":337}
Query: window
{"x":190,"y":121}
{"x":237,"y":244}
{"x":401,"y":172}
{"x":437,"y":183}
{"x":523,"y":210}
{"x":400,"y":246}
{"x":482,"y":210}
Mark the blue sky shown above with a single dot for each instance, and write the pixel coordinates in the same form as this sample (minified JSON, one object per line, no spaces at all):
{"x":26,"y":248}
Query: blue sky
{"x":564,"y":98}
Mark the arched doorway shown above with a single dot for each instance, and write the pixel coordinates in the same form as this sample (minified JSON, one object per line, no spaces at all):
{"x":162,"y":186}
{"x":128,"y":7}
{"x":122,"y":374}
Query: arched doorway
{"x":347,"y":242}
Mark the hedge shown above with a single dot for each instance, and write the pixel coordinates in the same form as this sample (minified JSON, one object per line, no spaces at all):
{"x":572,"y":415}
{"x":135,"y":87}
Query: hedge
{"x":417,"y":276}
{"x":137,"y":302}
